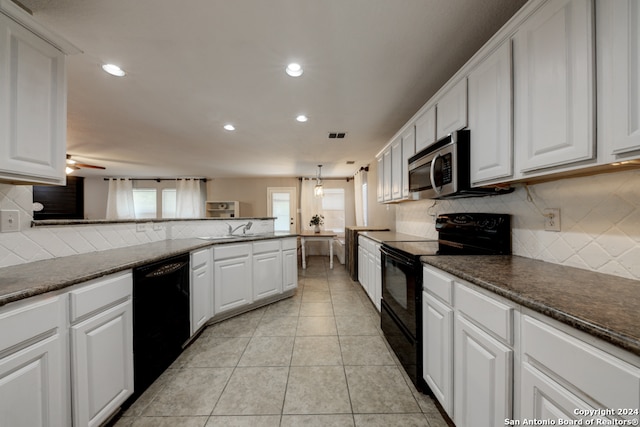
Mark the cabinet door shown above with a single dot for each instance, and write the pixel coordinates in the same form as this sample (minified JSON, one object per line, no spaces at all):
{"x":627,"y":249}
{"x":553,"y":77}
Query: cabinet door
{"x":267,"y":274}
{"x":408,"y":150}
{"x":371,"y":276}
{"x":290,"y":270}
{"x":396,"y":169}
{"x":542,"y":398}
{"x":102,"y":364}
{"x":201,"y":295}
{"x":483,"y":379}
{"x":490,"y":117}
{"x":437,"y":362}
{"x":625,"y":63}
{"x":377,"y":280}
{"x":380,"y":181}
{"x":554,"y":93}
{"x":232,"y":283}
{"x":363,"y":268}
{"x":452,"y":110}
{"x":426,"y":129}
{"x":33,"y":384}
{"x":33,"y":113}
{"x":386,"y":166}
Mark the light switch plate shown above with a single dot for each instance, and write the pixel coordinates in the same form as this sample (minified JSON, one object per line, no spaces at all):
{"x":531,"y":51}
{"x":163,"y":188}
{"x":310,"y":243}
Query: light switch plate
{"x":9,"y":220}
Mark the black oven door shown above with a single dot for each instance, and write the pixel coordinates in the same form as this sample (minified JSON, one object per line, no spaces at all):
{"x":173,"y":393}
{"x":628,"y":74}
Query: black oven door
{"x":400,"y":283}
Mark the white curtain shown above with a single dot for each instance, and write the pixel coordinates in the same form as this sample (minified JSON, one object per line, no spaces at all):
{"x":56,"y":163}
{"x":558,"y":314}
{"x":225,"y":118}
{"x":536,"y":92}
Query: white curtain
{"x":310,"y":205}
{"x":188,"y":198}
{"x":120,"y":199}
{"x":359,"y":179}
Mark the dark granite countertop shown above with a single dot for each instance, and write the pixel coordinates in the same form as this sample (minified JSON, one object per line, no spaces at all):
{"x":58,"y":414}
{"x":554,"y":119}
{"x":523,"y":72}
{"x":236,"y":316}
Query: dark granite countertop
{"x":602,"y":305}
{"x":392,"y":236}
{"x":26,"y":280}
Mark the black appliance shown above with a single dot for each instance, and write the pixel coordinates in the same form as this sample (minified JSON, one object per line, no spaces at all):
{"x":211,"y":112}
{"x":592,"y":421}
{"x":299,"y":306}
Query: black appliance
{"x":442,"y":170}
{"x":401,"y":305}
{"x":161,"y":323}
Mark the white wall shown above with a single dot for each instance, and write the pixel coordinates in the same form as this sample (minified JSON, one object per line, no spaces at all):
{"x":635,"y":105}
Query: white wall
{"x":600,"y":221}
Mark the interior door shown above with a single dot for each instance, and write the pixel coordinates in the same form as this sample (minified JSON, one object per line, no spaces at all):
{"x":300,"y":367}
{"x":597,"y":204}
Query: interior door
{"x":281,"y":204}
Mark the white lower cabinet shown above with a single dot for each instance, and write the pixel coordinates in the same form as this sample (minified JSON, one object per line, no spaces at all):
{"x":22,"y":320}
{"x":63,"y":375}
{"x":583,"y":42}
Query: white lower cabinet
{"x":33,"y":384}
{"x":289,"y":264}
{"x":232,"y":276}
{"x":437,"y":357}
{"x":267,"y":269}
{"x":101,"y":347}
{"x":563,"y":370}
{"x":468,"y":352}
{"x":370,"y":269}
{"x":483,"y":377}
{"x":201,"y":295}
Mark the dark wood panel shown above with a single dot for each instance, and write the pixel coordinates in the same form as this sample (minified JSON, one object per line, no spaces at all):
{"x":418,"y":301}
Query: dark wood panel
{"x":60,"y":202}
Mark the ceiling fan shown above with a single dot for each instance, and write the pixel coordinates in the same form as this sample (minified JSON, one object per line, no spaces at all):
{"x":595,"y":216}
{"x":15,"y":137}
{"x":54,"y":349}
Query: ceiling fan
{"x":73,"y":165}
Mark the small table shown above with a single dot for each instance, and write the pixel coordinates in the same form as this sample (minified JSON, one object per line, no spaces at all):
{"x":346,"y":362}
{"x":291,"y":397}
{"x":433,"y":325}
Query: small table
{"x":323,"y":235}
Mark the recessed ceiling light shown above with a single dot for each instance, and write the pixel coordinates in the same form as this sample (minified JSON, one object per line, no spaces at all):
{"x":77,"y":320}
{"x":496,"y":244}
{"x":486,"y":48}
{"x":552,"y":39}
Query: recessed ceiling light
{"x":302,"y":118}
{"x":294,"y":70}
{"x":229,"y":126}
{"x":114,"y":70}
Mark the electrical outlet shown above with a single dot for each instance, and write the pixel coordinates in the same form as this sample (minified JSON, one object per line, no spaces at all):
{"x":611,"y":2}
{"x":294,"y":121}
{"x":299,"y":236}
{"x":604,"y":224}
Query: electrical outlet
{"x":552,"y":219}
{"x":158,"y":226}
{"x":141,"y":227}
{"x":9,"y":221}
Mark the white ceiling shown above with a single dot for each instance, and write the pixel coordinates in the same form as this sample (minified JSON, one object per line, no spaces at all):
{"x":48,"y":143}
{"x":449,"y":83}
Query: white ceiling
{"x":195,"y":65}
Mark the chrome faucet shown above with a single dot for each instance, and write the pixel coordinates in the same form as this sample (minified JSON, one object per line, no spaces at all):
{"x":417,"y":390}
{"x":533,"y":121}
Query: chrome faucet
{"x":244,"y":227}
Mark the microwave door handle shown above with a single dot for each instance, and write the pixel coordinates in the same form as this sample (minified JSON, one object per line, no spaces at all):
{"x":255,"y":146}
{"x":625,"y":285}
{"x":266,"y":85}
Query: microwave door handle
{"x":432,"y":173}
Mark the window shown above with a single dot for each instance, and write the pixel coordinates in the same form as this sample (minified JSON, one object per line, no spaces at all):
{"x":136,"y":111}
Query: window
{"x":333,"y":207}
{"x":365,"y":208}
{"x":154,"y":203}
{"x":144,"y":202}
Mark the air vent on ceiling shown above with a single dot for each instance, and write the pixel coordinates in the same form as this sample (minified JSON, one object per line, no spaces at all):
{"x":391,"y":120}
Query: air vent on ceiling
{"x":351,"y":162}
{"x":338,"y":135}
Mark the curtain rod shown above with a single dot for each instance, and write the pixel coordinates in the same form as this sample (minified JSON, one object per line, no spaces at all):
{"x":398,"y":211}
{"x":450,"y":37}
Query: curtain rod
{"x":326,"y":179}
{"x":157,"y":179}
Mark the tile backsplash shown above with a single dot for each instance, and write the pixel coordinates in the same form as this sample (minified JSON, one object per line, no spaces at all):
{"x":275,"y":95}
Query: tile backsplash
{"x":599,"y":216}
{"x":33,"y":244}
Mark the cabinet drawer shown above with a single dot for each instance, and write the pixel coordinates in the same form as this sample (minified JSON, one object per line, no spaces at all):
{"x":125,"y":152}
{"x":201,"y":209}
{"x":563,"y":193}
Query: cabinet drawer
{"x":199,"y":258}
{"x":612,"y":382}
{"x":288,"y":244}
{"x":28,"y":320}
{"x":231,"y":251}
{"x":438,"y":284}
{"x":99,"y":293}
{"x":493,"y":315}
{"x":266,"y":246}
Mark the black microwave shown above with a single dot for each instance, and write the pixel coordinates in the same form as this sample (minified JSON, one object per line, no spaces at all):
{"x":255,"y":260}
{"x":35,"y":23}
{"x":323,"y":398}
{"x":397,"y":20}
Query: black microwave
{"x":441,"y":171}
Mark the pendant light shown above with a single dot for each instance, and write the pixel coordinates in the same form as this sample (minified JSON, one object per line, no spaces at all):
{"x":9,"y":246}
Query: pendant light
{"x":318,"y":191}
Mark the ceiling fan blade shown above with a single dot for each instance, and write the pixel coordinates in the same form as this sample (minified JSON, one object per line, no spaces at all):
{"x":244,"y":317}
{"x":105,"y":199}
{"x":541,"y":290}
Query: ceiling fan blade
{"x":83,"y":165}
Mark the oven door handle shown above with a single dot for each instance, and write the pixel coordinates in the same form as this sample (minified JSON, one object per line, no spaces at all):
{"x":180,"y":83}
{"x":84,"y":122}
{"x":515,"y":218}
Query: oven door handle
{"x":432,"y":174}
{"x":397,"y":258}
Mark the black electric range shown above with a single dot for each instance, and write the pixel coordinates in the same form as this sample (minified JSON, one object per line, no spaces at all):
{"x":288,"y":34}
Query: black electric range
{"x":401,"y":305}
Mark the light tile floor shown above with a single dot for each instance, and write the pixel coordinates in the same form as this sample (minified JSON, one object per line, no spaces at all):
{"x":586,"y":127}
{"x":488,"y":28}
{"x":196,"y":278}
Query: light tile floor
{"x":316,"y":359}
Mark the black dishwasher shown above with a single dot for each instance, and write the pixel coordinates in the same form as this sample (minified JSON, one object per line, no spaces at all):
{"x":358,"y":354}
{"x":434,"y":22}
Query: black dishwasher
{"x":160,"y":318}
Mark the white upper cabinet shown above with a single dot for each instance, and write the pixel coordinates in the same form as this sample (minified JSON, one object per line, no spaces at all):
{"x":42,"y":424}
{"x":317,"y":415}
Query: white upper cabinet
{"x":452,"y":110}
{"x":490,"y":117}
{"x":426,"y":129}
{"x":380,"y":178}
{"x":554,"y":86}
{"x":618,"y":79}
{"x":396,"y":169}
{"x":408,"y":150}
{"x":386,"y":175}
{"x":33,"y":115}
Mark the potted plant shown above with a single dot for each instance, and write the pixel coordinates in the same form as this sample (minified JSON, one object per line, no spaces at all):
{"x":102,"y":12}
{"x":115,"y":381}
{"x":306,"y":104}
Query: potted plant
{"x":316,"y":222}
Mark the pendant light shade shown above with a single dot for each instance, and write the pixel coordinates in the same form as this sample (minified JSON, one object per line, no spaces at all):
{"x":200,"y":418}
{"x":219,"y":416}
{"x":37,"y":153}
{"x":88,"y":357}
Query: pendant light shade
{"x":318,"y":191}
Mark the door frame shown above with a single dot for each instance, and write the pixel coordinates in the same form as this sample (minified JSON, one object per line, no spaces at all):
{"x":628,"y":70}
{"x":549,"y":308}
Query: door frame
{"x":293,"y":207}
